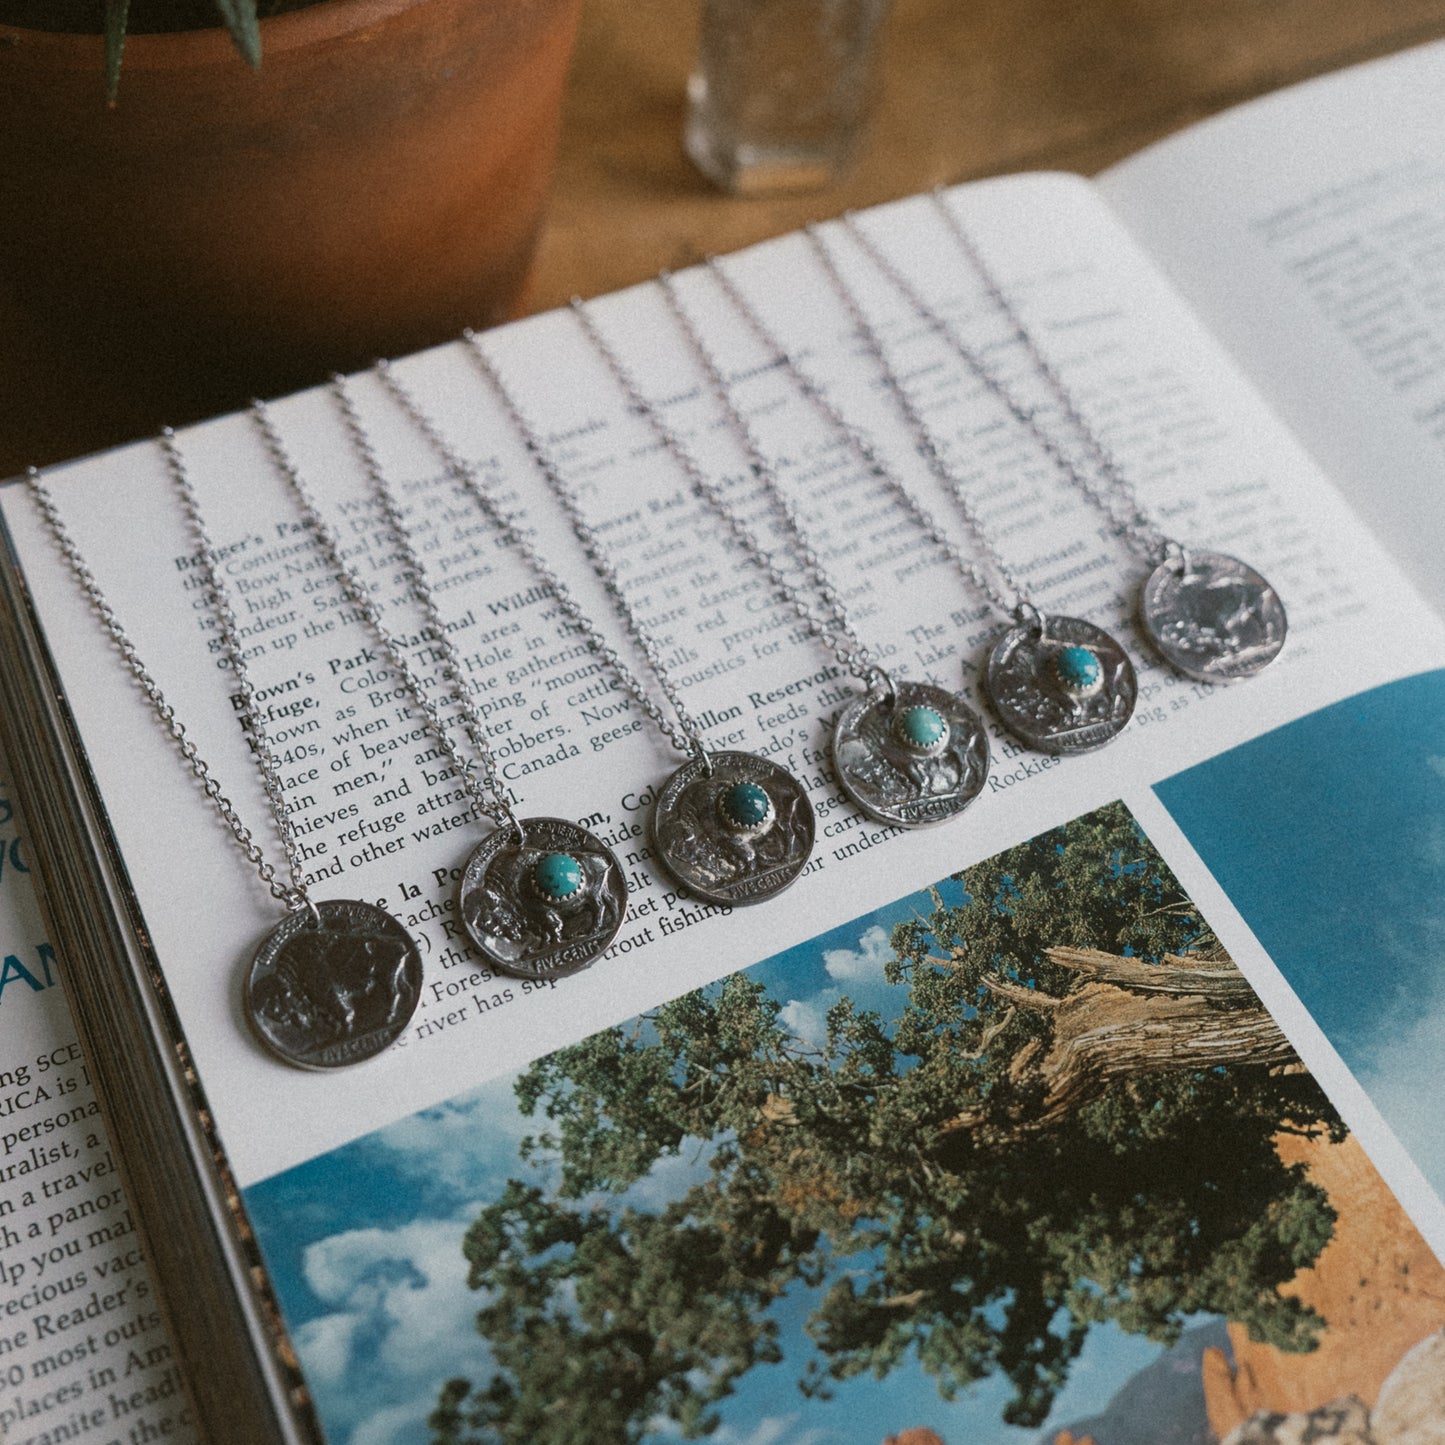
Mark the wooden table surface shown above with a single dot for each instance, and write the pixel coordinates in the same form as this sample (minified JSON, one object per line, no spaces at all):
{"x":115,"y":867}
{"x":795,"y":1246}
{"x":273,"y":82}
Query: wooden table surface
{"x":968,"y":88}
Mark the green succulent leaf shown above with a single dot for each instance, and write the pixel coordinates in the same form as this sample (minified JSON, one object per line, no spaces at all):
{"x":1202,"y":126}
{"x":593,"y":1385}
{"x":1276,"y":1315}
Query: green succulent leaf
{"x":241,"y":21}
{"x":116,"y":14}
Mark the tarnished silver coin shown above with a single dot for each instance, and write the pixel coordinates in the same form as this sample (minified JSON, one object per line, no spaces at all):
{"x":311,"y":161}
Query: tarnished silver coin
{"x":1067,"y":687}
{"x":735,"y":830}
{"x":919,"y":758}
{"x":1212,"y":617}
{"x":334,"y":989}
{"x":544,"y":905}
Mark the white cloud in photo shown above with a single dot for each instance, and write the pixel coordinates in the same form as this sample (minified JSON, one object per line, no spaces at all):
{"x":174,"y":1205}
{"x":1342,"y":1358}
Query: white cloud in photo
{"x":395,"y":1425}
{"x":401,"y":1322}
{"x":671,"y":1176}
{"x":856,"y":973}
{"x":807,"y":1019}
{"x":408,"y":1286}
{"x":863,"y":964}
{"x":463,"y":1146}
{"x":1402,"y":1075}
{"x":326,"y":1344}
{"x":1433,"y":847}
{"x":1400,"y":1048}
{"x":773,"y":1430}
{"x":1400,"y":1024}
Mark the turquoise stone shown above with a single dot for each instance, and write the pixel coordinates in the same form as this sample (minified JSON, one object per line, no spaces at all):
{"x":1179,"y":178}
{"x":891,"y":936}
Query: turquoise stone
{"x":557,"y":876}
{"x":746,"y":804}
{"x":922,"y":726}
{"x":1078,"y":668}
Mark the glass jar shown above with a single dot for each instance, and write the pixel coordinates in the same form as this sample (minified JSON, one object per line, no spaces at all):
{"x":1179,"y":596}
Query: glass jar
{"x":781,"y":90}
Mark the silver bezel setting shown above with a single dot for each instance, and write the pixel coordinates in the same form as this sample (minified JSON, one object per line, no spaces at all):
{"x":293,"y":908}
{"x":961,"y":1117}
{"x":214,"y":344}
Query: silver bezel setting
{"x":899,"y":783}
{"x":713,"y":859}
{"x":1032,"y":702}
{"x":514,"y":926}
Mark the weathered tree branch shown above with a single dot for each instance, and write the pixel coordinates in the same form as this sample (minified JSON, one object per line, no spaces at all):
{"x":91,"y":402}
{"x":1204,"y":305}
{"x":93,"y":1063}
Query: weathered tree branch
{"x":1220,"y":981}
{"x":1131,"y":1018}
{"x":1016,"y":993}
{"x":991,"y":1033}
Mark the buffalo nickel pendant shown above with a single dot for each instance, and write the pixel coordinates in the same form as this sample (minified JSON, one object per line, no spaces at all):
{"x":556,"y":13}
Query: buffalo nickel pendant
{"x":735,"y":829}
{"x":920,"y":757}
{"x":1212,"y":617}
{"x":543,"y":905}
{"x":1065,"y":687}
{"x":334,"y":988}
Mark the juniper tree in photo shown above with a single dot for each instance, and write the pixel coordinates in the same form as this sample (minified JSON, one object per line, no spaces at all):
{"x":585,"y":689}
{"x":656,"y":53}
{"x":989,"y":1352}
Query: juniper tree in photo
{"x":1069,"y":1118}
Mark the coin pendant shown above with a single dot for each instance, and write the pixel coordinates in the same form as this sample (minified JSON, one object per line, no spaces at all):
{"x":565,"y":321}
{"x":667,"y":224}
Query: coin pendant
{"x":917,"y":759}
{"x":1212,"y":617}
{"x":544,"y":906}
{"x":1068,"y":688}
{"x":736,"y":829}
{"x":323,"y":994}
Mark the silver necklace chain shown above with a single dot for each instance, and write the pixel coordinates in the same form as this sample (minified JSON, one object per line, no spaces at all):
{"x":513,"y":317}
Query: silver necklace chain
{"x":230,"y":629}
{"x":1014,"y":599}
{"x":489,"y":795}
{"x":683,"y":733}
{"x":850,"y":653}
{"x":293,"y":894}
{"x":1111,"y":493}
{"x":862,"y":444}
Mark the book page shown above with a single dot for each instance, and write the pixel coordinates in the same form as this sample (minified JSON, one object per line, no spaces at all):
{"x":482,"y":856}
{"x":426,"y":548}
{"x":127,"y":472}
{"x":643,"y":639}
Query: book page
{"x":364,"y":1184}
{"x":1307,"y":229}
{"x":84,"y":1350}
{"x":378,"y":812}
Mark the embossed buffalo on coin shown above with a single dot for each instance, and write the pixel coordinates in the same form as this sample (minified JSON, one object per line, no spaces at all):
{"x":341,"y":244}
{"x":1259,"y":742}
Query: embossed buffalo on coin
{"x":545,"y":905}
{"x":335,"y":989}
{"x":737,"y":830}
{"x":1068,"y":687}
{"x":1213,"y":617}
{"x":919,"y":758}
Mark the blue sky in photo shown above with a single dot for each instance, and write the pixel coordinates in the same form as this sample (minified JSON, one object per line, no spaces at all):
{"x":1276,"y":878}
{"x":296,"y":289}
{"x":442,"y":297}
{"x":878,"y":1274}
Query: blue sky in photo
{"x":364,"y":1246}
{"x":1328,"y":834}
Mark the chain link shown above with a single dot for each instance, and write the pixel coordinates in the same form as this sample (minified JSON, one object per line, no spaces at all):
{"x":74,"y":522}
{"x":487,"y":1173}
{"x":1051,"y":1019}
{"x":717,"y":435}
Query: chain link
{"x":1014,"y":597}
{"x":252,"y":718}
{"x":165,"y":713}
{"x":684,"y":734}
{"x":489,"y":795}
{"x":710,"y":493}
{"x":1116,"y":497}
{"x":840,"y":638}
{"x":860,"y":441}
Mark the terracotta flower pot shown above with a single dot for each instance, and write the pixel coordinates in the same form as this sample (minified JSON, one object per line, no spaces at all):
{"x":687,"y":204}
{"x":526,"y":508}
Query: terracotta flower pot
{"x":378,"y":184}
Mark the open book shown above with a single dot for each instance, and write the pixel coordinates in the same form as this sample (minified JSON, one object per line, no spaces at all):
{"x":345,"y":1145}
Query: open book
{"x":1105,"y":1104}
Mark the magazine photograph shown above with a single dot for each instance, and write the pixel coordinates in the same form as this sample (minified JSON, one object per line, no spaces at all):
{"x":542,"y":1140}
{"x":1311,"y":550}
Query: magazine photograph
{"x":1018,"y":1157}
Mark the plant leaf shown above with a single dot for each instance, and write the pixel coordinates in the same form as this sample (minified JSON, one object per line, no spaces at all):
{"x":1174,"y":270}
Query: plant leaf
{"x":116,"y":14}
{"x":240,"y":18}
